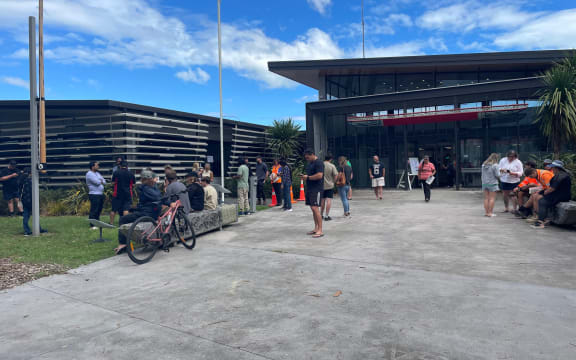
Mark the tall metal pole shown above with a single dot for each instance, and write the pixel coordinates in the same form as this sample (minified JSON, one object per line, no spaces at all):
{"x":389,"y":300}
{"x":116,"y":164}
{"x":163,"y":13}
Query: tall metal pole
{"x":41,"y":83}
{"x":221,"y":114}
{"x":34,"y":128}
{"x":363,"y":47}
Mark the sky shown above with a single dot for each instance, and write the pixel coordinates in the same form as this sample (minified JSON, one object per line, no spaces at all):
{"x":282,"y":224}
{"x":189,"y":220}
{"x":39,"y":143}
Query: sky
{"x":163,"y":53}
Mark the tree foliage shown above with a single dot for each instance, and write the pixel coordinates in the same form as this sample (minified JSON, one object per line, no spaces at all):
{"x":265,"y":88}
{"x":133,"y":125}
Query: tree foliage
{"x":557,"y":110}
{"x":284,"y":138}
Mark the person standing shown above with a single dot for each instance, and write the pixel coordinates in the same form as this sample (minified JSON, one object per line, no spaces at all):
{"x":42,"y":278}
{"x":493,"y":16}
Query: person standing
{"x":261,"y":175}
{"x":195,"y":192}
{"x":276,"y":181}
{"x":343,"y":183}
{"x":559,"y":191}
{"x":286,"y":175}
{"x":123,"y":181}
{"x":425,"y":170}
{"x":511,"y":170}
{"x":9,"y":178}
{"x":377,"y":173}
{"x":117,"y":165}
{"x":314,"y":178}
{"x":490,"y":177}
{"x":351,"y":177}
{"x":242,"y":176}
{"x":207,"y":172}
{"x":95,"y":182}
{"x":330,"y":174}
{"x":210,"y":195}
{"x":26,"y":200}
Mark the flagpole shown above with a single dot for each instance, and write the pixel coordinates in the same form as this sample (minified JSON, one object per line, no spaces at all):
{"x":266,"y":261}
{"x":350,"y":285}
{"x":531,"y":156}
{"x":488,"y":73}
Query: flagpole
{"x":221,"y":114}
{"x":363,"y":47}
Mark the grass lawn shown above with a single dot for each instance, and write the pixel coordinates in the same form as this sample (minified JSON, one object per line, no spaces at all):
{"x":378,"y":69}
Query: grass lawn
{"x":68,"y":242}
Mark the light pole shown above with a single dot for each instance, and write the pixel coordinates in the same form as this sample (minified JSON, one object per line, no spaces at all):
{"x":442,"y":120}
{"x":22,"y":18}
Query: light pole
{"x":363,"y":47}
{"x":220,"y":86}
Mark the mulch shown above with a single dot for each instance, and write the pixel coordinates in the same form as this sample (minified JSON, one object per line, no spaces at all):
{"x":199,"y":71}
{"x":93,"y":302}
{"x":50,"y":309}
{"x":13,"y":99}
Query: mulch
{"x":13,"y":274}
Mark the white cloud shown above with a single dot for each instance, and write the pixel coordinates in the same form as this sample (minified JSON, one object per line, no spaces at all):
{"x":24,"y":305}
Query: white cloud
{"x":320,"y":5}
{"x":15,"y":81}
{"x":470,"y":15}
{"x":556,"y":30}
{"x":133,"y":34}
{"x":376,"y":25}
{"x":197,"y":76}
{"x":307,"y":98}
{"x":297,"y":118}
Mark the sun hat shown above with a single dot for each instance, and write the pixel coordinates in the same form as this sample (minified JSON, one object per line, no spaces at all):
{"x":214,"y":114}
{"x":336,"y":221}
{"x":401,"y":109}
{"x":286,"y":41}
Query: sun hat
{"x":558,"y":164}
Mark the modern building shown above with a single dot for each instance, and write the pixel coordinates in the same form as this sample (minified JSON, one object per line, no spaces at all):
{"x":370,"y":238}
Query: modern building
{"x":455,"y":108}
{"x":101,"y":130}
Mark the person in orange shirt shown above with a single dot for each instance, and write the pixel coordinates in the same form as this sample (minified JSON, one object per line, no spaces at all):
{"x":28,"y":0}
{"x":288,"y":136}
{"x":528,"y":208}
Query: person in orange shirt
{"x":522,"y":191}
{"x":276,"y":181}
{"x":543,"y":178}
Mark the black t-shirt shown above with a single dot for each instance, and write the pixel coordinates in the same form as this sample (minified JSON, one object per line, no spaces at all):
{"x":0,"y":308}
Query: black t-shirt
{"x":196,"y":196}
{"x":377,"y":170}
{"x":123,"y":181}
{"x":10,"y":184}
{"x":313,"y":168}
{"x":562,"y":185}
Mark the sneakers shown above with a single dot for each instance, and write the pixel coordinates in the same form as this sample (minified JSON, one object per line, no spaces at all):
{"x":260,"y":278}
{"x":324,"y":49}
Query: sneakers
{"x":93,"y":228}
{"x":288,"y":210}
{"x":327,"y":218}
{"x":27,"y":234}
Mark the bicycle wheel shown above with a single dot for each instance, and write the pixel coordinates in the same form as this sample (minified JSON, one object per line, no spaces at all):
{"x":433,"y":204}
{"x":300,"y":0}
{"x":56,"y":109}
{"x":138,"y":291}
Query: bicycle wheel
{"x":140,"y":247}
{"x":184,"y":230}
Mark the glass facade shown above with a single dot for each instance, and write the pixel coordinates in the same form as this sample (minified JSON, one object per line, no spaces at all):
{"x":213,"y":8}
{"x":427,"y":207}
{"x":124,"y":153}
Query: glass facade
{"x":473,"y":139}
{"x":345,"y":86}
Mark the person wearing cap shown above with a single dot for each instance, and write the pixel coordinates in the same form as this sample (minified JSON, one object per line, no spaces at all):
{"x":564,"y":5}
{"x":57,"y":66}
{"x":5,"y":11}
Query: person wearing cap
{"x":195,"y":191}
{"x":176,"y":190}
{"x":149,"y":204}
{"x":547,"y":163}
{"x":559,"y":191}
{"x":543,"y":179}
{"x":95,"y":182}
{"x":26,"y":199}
{"x":511,"y":171}
{"x":123,"y":181}
{"x":9,"y":179}
{"x":210,"y":195}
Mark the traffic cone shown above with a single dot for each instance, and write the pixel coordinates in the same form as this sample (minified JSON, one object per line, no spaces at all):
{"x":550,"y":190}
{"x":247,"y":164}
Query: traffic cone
{"x":274,"y":200}
{"x":302,"y":195}
{"x":292,"y":196}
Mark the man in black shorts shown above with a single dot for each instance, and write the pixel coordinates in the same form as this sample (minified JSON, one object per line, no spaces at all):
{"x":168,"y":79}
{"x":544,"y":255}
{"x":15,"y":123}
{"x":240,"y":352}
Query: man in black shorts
{"x":123,"y":181}
{"x":314,"y":189}
{"x":9,"y":179}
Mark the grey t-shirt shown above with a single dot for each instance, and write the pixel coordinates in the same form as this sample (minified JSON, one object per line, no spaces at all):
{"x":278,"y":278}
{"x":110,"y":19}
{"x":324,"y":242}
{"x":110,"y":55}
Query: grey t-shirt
{"x":490,"y":174}
{"x":261,"y":170}
{"x":179,"y":189}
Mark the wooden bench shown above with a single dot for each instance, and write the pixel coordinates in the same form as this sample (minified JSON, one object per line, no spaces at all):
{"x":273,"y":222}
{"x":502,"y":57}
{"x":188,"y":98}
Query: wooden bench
{"x":564,"y":213}
{"x":206,"y":220}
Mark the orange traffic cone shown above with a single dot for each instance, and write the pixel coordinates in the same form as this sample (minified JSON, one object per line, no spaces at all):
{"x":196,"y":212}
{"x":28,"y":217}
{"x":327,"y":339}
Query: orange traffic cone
{"x":302,"y":195}
{"x":274,"y":200}
{"x":292,"y":196}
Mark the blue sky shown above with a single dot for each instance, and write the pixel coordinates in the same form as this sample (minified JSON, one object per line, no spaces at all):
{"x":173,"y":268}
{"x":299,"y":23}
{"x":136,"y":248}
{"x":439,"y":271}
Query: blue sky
{"x":164,"y":52}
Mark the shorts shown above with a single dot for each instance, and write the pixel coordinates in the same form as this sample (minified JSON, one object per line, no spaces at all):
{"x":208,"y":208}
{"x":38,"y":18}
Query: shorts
{"x":508,"y":186}
{"x":490,"y":187}
{"x":10,"y":194}
{"x":328,"y":194}
{"x":376,"y":182}
{"x":313,"y":197}
{"x":121,"y":205}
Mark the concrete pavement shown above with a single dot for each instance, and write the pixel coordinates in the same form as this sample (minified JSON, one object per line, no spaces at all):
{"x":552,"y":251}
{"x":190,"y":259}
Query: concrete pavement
{"x":417,"y":280}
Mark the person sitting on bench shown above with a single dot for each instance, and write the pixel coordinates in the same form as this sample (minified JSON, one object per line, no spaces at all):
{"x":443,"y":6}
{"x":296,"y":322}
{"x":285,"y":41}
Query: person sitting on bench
{"x":559,"y":191}
{"x":150,"y":201}
{"x":542,"y":178}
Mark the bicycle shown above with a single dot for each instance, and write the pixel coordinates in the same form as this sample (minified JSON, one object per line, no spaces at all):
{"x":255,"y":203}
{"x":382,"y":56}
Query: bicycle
{"x":147,"y":235}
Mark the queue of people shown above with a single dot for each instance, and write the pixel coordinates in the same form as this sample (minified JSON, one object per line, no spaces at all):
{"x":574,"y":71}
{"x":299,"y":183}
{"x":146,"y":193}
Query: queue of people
{"x":528,"y":192}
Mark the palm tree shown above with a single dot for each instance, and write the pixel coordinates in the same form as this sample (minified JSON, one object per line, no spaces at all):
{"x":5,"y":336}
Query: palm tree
{"x":557,"y":110}
{"x":284,"y":137}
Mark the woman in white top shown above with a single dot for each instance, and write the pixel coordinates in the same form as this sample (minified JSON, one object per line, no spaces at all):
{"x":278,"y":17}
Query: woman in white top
{"x":511,"y":171}
{"x":207,"y":173}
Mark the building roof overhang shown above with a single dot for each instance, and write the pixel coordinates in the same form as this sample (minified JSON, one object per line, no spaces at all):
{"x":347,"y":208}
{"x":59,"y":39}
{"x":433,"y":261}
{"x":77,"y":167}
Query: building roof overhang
{"x":310,"y":72}
{"x":525,"y":88}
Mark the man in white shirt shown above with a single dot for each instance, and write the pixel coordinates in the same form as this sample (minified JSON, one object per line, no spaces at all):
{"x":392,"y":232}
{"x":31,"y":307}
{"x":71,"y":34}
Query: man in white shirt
{"x":511,"y":171}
